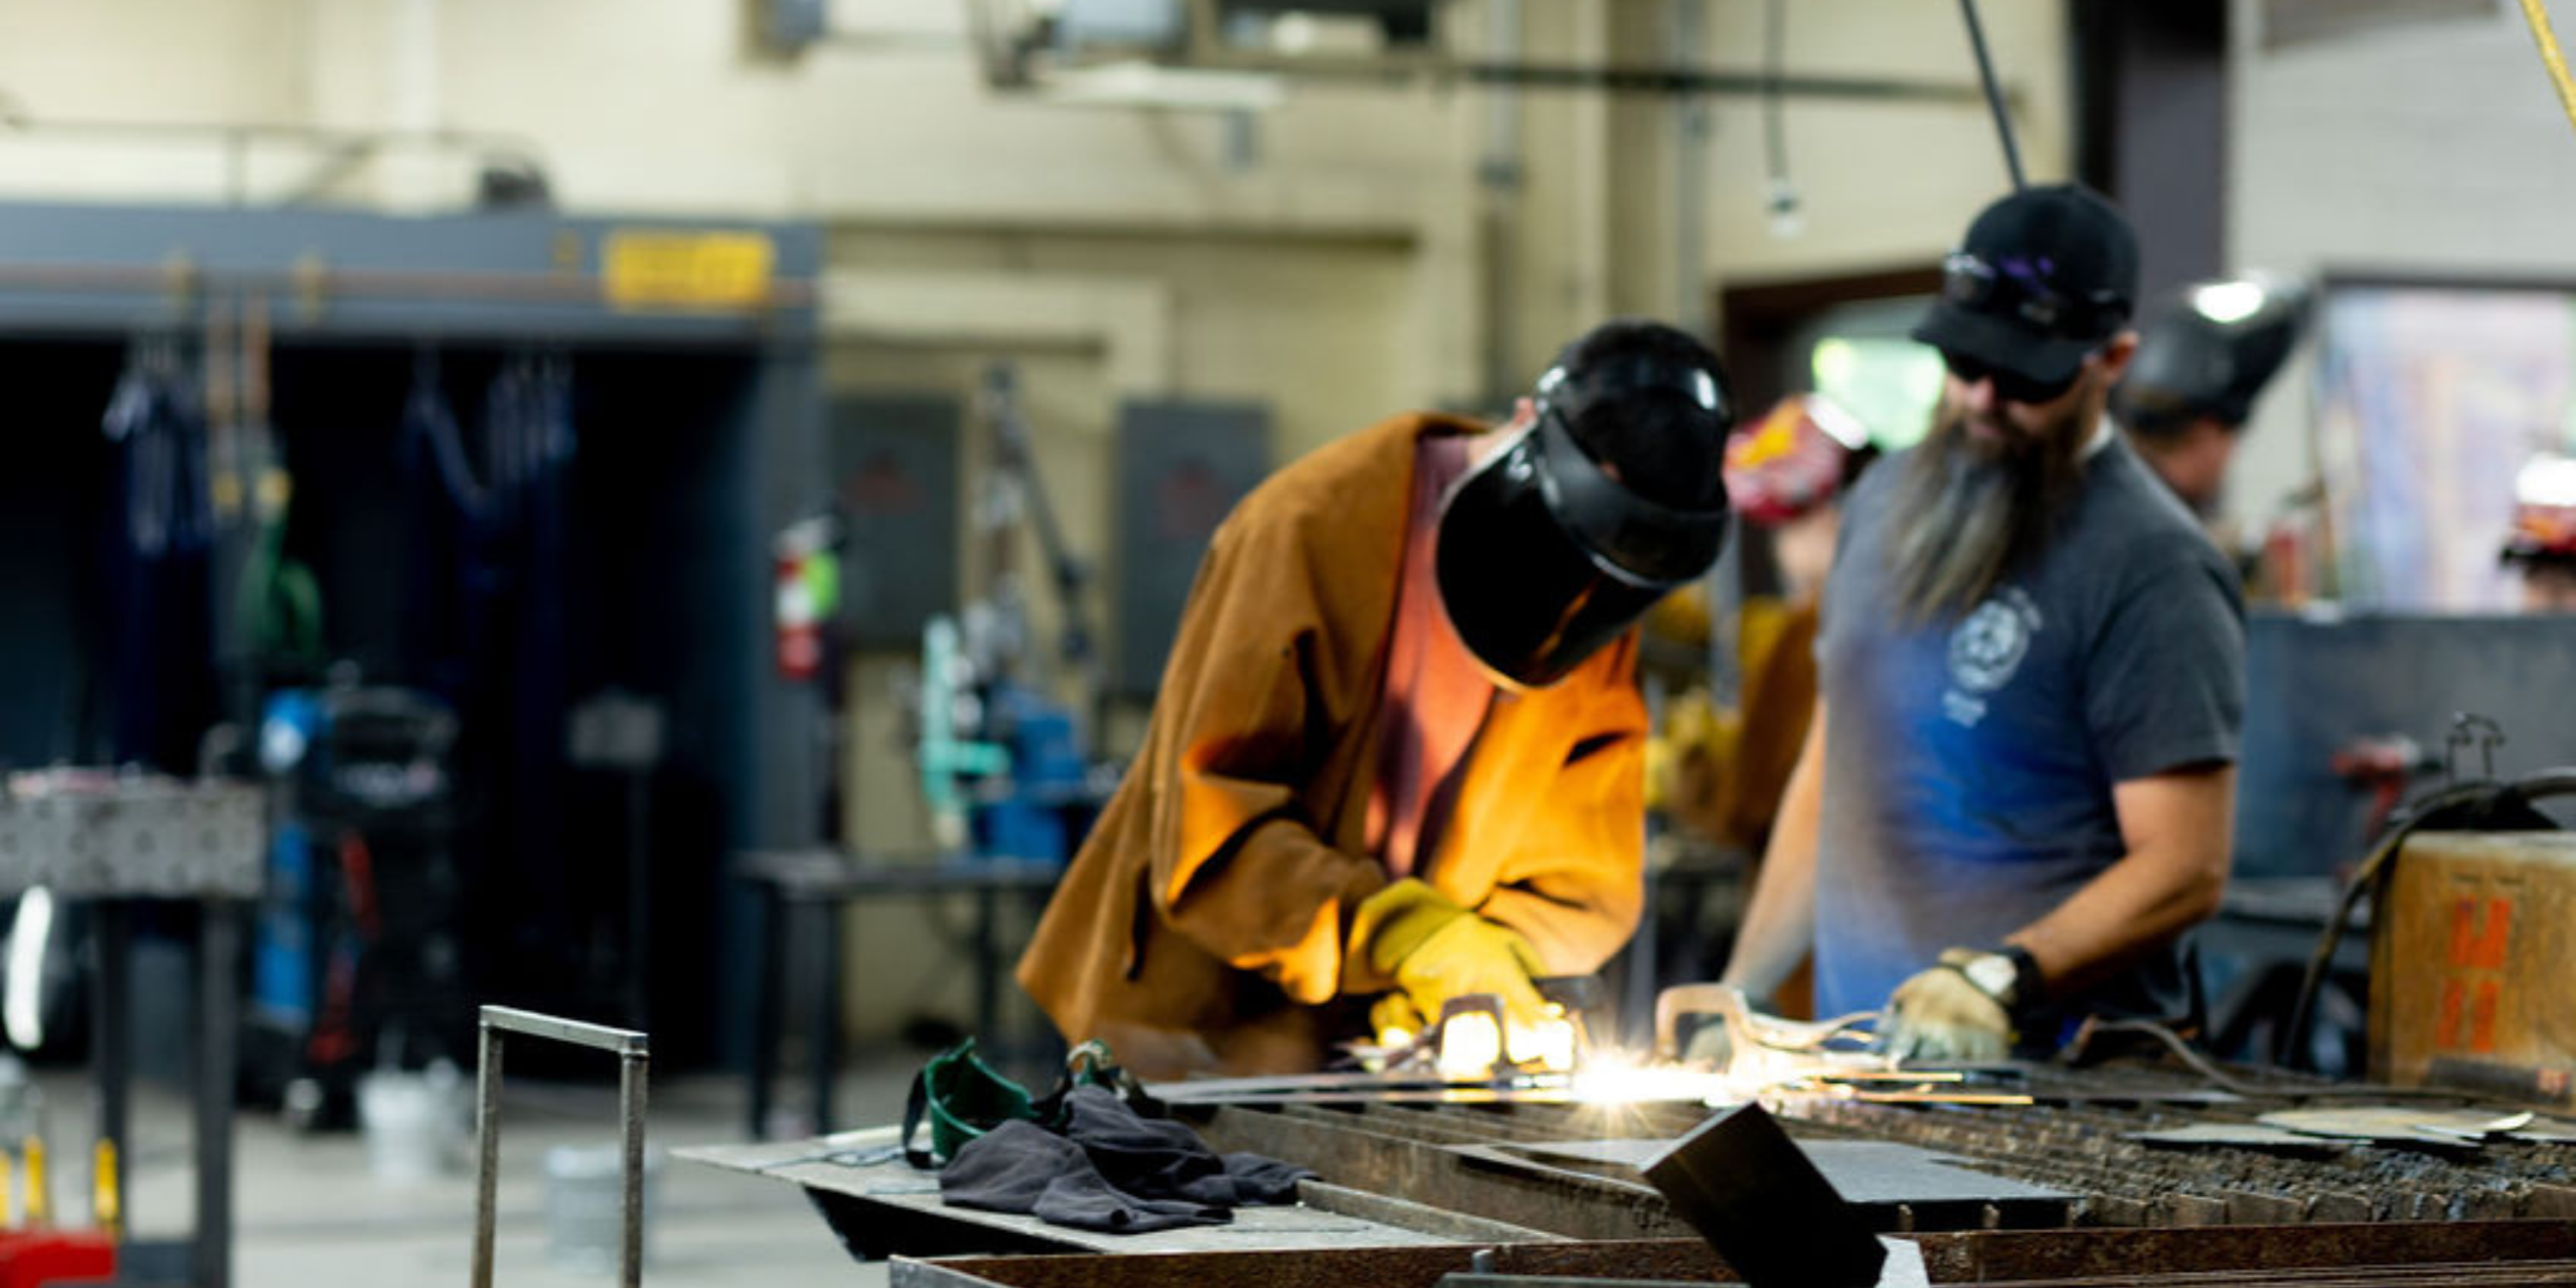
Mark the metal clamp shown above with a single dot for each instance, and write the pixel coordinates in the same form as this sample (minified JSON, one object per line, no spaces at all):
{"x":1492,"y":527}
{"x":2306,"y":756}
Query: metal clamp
{"x":633,"y":1054}
{"x":2471,"y":729}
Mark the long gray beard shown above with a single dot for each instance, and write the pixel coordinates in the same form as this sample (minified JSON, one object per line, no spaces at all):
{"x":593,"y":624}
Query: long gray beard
{"x":1963,"y":519}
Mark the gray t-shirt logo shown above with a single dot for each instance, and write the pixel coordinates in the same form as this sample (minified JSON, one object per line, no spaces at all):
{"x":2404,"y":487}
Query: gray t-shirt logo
{"x":1986,"y":649}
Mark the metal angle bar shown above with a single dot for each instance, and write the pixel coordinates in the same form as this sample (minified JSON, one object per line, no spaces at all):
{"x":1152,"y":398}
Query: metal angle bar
{"x":1432,"y":1095}
{"x":1267,"y":1088}
{"x":1422,"y":1218}
{"x":577,"y":1032}
{"x":1934,"y":1098}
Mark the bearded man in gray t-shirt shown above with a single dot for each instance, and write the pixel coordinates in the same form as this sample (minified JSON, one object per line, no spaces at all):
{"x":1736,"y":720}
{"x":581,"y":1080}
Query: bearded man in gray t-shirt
{"x":2018,"y":789}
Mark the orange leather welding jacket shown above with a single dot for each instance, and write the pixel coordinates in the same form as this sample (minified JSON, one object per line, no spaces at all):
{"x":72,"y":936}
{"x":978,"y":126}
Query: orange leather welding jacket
{"x":1206,"y":922}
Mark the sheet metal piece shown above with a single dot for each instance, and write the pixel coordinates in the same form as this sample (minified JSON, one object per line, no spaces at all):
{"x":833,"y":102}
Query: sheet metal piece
{"x":1862,"y":1171}
{"x":1746,"y":1187}
{"x":2398,"y":1124}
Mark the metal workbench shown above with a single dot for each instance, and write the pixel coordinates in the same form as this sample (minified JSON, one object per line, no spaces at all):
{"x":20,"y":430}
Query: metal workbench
{"x":2065,"y":1173}
{"x":115,"y":842}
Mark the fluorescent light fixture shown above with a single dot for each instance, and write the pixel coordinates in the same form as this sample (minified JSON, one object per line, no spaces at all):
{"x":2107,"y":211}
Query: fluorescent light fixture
{"x":2228,"y":302}
{"x":2546,"y":480}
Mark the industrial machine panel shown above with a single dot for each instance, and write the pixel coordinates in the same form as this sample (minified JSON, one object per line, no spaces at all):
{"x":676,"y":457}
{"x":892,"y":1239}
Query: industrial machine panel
{"x":894,"y":478}
{"x":2471,"y":966}
{"x":1181,"y":468}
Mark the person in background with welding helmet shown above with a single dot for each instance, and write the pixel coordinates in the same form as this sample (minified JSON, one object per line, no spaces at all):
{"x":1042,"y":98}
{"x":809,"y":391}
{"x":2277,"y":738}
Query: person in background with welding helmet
{"x":1397,"y":755}
{"x":1726,"y":764}
{"x":2018,"y":787}
{"x":2202,"y":360}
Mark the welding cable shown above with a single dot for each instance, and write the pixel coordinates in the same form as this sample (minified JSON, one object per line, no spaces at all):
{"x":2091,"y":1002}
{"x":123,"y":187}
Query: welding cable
{"x":2398,"y":827}
{"x":2381,"y":860}
{"x":2217,"y":1076}
{"x":1994,"y":92}
{"x":2536,"y":14}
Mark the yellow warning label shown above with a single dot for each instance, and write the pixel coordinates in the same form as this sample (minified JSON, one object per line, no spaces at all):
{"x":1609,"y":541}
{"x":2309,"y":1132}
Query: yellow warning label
{"x":664,"y":268}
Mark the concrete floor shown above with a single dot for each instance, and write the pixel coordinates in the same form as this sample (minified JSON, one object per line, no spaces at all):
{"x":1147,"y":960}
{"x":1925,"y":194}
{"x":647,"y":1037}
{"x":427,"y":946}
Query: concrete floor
{"x":309,"y":1209}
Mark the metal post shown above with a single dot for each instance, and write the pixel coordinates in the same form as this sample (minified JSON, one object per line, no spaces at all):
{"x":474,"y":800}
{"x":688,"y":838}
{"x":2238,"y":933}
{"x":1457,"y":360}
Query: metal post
{"x":769,"y":934}
{"x":112,"y":996}
{"x":639,"y":902}
{"x":631,"y":1075}
{"x":824,"y":1043}
{"x":487,"y":1147}
{"x":218,"y":1021}
{"x":988,"y":999}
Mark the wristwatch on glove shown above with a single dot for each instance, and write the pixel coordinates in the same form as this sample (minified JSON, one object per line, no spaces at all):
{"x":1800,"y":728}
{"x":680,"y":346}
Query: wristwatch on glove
{"x":2010,"y":975}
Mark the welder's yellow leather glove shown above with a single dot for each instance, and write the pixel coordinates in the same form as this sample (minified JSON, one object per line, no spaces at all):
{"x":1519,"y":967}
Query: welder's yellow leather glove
{"x":1435,"y":950}
{"x":1939,"y":1015}
{"x":1393,"y":1021}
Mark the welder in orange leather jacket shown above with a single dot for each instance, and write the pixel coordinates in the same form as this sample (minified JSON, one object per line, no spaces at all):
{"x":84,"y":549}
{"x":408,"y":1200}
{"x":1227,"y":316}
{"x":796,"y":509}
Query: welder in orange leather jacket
{"x":1397,"y":755}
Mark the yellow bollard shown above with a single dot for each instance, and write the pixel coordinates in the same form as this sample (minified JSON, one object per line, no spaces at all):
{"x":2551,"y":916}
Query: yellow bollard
{"x":103,"y":1189}
{"x":40,"y":1207}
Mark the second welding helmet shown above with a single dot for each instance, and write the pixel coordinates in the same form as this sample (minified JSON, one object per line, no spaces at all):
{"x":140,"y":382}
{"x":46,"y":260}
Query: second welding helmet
{"x":2209,"y":352}
{"x":1544,"y":554}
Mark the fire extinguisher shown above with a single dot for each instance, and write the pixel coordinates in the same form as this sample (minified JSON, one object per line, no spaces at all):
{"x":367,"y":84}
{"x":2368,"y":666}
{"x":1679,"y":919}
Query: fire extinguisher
{"x":806,"y":592}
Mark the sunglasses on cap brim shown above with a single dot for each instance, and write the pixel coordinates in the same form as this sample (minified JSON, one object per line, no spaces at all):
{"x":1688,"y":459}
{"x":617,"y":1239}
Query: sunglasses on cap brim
{"x":2011,"y":386}
{"x":1970,"y":282}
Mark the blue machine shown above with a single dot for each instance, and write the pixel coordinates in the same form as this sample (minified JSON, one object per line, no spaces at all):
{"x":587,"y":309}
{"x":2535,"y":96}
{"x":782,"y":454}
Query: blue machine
{"x":1001,"y":766}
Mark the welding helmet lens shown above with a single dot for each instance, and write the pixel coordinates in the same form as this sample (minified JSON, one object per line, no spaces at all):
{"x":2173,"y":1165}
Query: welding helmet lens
{"x":1543,"y":556}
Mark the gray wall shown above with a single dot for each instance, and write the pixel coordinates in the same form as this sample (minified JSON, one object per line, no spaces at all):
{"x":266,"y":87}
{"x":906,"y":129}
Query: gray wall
{"x":2315,"y":686}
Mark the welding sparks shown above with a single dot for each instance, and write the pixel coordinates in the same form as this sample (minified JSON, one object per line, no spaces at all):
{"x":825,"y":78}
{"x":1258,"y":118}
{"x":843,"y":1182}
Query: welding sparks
{"x":1613,"y":1079}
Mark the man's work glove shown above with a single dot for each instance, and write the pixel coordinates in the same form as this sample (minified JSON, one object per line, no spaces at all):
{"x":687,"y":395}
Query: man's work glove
{"x":1944,"y":1013}
{"x":1436,"y":950}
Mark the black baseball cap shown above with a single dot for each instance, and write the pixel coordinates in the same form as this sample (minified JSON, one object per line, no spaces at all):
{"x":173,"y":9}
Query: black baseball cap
{"x":2043,"y":277}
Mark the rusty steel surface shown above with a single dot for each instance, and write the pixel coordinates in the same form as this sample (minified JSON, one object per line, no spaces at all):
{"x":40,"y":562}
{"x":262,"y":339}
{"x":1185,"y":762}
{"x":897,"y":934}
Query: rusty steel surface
{"x":2484,"y":1253}
{"x":2014,"y":1256}
{"x":1430,"y":1183}
{"x":2132,"y":1183}
{"x":1687,"y":1259}
{"x":2077,"y":1144}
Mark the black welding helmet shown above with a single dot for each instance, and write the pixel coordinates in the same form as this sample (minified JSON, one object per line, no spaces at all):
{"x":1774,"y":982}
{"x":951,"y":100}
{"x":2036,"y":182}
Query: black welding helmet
{"x":1544,"y":556}
{"x":2209,"y":352}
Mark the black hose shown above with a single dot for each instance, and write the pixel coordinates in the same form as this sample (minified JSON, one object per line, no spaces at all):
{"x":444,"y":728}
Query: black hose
{"x":1994,"y":92}
{"x":2381,"y":859}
